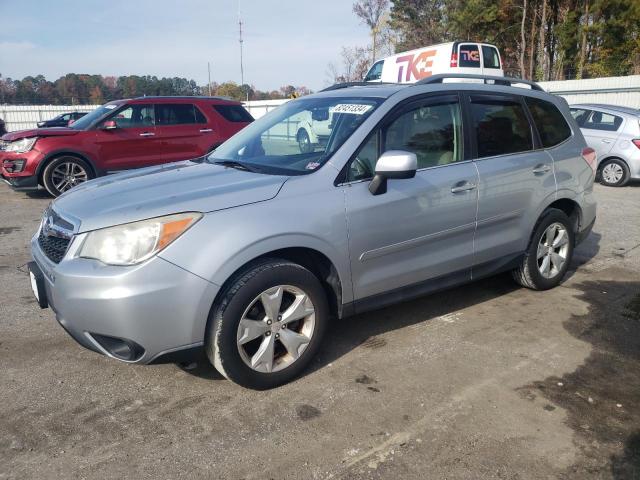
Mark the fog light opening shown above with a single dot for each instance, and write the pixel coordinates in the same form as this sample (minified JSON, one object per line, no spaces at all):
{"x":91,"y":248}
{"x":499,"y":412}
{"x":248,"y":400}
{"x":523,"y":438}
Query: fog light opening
{"x":120,"y":348}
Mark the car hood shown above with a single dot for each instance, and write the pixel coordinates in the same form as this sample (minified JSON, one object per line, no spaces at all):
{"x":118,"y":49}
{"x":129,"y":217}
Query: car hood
{"x":39,"y":132}
{"x":163,"y":190}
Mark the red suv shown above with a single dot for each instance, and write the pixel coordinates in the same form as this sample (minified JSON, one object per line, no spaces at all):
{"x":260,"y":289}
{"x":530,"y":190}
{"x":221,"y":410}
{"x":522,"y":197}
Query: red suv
{"x":119,"y":135}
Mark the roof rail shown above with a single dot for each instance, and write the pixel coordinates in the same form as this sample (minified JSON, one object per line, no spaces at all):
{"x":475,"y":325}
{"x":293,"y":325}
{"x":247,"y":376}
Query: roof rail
{"x":338,"y":86}
{"x":508,"y":81}
{"x":187,"y":97}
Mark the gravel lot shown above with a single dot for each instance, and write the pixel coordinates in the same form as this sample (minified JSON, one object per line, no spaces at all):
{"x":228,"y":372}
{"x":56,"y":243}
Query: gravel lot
{"x":483,"y":381}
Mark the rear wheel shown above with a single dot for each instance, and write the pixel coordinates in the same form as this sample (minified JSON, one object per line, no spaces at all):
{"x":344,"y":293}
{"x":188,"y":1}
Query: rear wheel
{"x":549,"y":254}
{"x":65,"y":172}
{"x":614,"y":173}
{"x":267,"y":325}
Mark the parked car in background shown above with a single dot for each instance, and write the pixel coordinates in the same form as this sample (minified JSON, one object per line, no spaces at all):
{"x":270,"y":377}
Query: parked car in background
{"x":614,"y":133}
{"x":313,"y":129}
{"x":417,"y":188}
{"x":62,"y":120}
{"x":451,"y":57}
{"x":118,"y":136}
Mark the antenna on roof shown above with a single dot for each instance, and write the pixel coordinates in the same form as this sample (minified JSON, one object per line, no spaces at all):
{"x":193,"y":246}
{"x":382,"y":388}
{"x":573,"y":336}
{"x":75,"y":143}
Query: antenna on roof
{"x":241,"y":45}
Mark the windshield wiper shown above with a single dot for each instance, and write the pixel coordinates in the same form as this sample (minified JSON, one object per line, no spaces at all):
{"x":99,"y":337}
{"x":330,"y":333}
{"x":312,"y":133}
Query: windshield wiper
{"x":237,"y":165}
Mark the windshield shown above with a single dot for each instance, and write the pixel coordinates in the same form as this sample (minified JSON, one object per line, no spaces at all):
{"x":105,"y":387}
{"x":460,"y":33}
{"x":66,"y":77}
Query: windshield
{"x":85,"y":122}
{"x":298,"y":137}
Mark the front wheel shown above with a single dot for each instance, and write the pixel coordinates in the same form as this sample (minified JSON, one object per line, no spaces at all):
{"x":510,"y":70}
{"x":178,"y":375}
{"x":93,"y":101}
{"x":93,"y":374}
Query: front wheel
{"x":549,"y":253}
{"x":304,"y":141}
{"x":614,"y":173}
{"x":65,"y":172}
{"x":267,"y":325}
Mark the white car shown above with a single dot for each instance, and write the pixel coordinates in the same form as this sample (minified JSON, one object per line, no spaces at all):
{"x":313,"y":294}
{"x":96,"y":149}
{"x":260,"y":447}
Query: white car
{"x":451,"y":57}
{"x":614,"y":133}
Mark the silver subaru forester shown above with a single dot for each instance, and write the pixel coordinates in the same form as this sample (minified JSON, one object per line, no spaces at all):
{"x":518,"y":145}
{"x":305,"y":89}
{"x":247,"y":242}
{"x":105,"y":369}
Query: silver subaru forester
{"x":249,"y":252}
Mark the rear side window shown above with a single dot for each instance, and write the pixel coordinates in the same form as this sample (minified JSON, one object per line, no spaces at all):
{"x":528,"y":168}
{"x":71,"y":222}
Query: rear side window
{"x":501,"y":126}
{"x":375,"y":73}
{"x":176,"y":114}
{"x":603,"y":121}
{"x":469,"y":56}
{"x":490,"y":57}
{"x":551,"y":125}
{"x":233,"y":113}
{"x":580,"y":115}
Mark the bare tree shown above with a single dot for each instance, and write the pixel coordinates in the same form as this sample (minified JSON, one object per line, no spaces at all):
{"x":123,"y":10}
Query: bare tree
{"x":353,"y":65}
{"x":371,"y":13}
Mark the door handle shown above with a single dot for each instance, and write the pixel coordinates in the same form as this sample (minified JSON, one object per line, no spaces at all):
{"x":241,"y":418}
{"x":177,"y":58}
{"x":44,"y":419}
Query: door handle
{"x":463,"y":186}
{"x":606,"y":141}
{"x":542,"y":168}
{"x":147,"y":134}
{"x":206,"y":130}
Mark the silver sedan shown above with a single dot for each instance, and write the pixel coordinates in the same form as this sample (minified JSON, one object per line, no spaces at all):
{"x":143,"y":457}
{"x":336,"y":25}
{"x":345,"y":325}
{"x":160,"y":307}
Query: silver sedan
{"x":614,"y":133}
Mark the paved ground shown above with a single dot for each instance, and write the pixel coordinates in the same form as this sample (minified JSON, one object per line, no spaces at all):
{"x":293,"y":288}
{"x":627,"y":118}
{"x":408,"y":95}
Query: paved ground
{"x":483,"y":381}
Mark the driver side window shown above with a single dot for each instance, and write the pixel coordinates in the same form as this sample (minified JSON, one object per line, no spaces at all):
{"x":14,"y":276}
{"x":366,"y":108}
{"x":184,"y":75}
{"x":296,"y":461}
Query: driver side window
{"x":135,"y":116}
{"x":432,"y":131}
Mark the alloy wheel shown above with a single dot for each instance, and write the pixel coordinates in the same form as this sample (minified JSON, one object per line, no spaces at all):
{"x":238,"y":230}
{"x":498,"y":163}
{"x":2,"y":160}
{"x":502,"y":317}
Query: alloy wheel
{"x":67,"y":175}
{"x":276,"y":328}
{"x":553,"y":249}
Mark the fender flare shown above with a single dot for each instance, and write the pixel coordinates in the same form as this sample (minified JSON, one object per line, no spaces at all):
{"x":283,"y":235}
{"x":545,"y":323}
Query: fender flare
{"x":249,"y":253}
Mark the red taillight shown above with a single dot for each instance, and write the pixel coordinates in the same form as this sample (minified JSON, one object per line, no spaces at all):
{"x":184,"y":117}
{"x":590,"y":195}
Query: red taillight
{"x":636,"y":142}
{"x":589,"y":156}
{"x":454,"y":59}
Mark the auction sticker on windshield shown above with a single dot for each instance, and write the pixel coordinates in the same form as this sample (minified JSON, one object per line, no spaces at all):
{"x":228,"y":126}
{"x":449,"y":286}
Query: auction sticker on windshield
{"x":353,"y":108}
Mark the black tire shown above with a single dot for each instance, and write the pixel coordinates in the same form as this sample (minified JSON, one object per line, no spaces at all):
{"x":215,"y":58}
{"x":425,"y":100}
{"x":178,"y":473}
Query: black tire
{"x":528,"y":273}
{"x":221,"y":339}
{"x":50,"y":176}
{"x":304,"y":142}
{"x":615,"y":163}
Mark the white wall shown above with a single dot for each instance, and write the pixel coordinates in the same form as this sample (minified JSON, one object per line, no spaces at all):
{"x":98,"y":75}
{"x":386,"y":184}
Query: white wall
{"x":258,"y":108}
{"x":624,"y":91}
{"x":612,"y":90}
{"x":22,"y":117}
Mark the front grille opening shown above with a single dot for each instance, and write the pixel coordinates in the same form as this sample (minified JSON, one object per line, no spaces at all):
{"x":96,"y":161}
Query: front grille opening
{"x":53,"y":247}
{"x":120,"y":348}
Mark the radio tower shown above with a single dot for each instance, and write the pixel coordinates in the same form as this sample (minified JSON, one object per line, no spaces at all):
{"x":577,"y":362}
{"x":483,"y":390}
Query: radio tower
{"x":241,"y":59}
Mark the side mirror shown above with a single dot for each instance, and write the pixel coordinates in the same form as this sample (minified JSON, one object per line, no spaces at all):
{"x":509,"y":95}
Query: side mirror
{"x":109,"y":125}
{"x":395,"y":164}
{"x":320,"y":114}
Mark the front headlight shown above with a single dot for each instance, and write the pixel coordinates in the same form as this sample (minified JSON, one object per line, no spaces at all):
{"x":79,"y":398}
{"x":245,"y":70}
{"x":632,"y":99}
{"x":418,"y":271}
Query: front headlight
{"x":135,"y":242}
{"x":20,"y":146}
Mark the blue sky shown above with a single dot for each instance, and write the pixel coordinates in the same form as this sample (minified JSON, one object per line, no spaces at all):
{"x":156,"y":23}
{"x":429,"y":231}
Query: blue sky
{"x":286,"y":41}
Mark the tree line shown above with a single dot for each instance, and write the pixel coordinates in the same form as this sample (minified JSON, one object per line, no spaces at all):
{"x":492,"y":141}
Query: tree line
{"x":79,"y":89}
{"x":538,"y":39}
